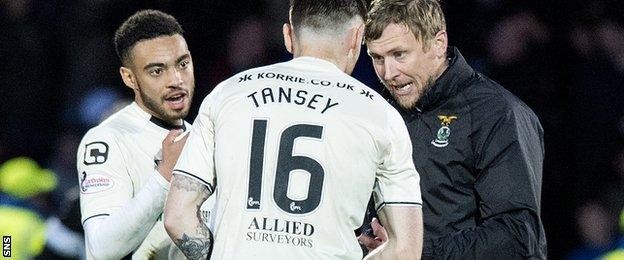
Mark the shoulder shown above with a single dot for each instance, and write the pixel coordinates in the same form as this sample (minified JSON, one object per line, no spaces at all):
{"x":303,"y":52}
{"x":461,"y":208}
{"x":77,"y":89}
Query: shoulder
{"x":107,"y":132}
{"x":488,"y":99}
{"x":97,"y":144}
{"x":242,"y":78}
{"x":494,"y":109}
{"x":250,"y":75}
{"x":113,"y":128}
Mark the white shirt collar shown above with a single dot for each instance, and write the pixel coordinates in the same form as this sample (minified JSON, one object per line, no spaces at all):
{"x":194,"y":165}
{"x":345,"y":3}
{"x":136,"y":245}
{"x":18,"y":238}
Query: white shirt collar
{"x":317,"y":62}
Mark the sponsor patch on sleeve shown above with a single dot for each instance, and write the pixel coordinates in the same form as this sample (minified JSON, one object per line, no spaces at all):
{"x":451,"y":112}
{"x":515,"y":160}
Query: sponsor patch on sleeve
{"x":95,"y":182}
{"x":96,"y":153}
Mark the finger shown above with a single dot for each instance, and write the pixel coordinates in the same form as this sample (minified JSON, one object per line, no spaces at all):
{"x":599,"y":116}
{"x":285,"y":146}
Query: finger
{"x":366,"y":241}
{"x":173,"y":134}
{"x":376,"y":226}
{"x":181,"y":137}
{"x":379,"y":230}
{"x":369,"y":242}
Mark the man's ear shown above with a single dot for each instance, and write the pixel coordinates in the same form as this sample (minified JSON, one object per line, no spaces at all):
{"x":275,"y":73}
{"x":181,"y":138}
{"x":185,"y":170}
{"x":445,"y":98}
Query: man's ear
{"x":356,"y":34}
{"x":288,"y":40}
{"x":440,"y":43}
{"x":128,"y":77}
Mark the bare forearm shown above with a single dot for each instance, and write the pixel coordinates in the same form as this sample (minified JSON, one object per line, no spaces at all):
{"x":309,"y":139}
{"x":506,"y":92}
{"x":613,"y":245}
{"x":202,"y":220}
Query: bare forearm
{"x":182,"y":219}
{"x":194,"y":244}
{"x":394,"y":250}
{"x":405,"y":233}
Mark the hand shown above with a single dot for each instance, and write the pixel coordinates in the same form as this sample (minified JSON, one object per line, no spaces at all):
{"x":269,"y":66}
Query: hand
{"x":171,"y":149}
{"x":381,"y":236}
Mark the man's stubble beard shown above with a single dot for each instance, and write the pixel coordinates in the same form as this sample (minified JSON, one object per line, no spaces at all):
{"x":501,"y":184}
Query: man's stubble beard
{"x":409,"y":102}
{"x":158,"y":107}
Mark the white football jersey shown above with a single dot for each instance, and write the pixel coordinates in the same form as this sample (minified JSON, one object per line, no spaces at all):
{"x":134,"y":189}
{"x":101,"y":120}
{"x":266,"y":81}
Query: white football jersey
{"x":294,"y":151}
{"x":115,"y":160}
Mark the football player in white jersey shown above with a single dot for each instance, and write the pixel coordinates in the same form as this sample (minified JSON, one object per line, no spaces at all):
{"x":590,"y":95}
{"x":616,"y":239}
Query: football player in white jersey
{"x":124,"y":174}
{"x":292,"y":152}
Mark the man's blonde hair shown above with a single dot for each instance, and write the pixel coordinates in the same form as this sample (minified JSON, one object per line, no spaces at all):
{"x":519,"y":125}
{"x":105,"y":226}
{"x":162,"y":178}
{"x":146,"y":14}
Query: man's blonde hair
{"x":424,"y":18}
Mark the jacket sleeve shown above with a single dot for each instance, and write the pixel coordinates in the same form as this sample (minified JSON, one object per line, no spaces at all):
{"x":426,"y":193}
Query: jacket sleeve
{"x":509,"y":152}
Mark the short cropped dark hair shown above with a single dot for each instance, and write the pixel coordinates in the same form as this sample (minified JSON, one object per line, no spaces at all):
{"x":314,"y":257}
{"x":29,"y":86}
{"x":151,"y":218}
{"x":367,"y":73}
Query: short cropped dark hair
{"x":324,"y":14}
{"x":143,"y":25}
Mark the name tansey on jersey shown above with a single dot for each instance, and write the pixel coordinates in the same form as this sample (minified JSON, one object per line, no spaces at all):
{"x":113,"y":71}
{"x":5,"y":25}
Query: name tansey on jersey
{"x":315,"y":101}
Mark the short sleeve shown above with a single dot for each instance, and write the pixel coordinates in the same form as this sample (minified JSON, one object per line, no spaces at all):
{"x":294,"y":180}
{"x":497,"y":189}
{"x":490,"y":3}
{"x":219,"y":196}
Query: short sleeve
{"x":397,"y":181}
{"x":197,"y":157}
{"x":104,"y":180}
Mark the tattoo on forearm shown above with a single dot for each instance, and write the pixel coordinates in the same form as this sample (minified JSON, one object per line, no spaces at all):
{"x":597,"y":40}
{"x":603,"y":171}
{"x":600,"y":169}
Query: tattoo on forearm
{"x":195,"y":247}
{"x":199,"y":246}
{"x":189,"y":184}
{"x":201,"y":228}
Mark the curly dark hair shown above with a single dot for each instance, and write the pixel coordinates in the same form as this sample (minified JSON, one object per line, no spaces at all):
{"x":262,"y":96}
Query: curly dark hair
{"x":143,"y":25}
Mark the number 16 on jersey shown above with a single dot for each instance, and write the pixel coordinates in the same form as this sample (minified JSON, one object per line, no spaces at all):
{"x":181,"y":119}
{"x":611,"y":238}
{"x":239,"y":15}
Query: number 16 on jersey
{"x":286,"y":163}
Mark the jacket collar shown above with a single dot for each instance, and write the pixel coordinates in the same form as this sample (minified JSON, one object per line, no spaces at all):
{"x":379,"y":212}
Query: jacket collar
{"x":451,"y":81}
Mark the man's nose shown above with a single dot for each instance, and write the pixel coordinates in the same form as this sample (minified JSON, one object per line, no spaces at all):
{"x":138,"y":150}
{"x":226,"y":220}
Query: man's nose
{"x":390,"y":70}
{"x":176,"y":78}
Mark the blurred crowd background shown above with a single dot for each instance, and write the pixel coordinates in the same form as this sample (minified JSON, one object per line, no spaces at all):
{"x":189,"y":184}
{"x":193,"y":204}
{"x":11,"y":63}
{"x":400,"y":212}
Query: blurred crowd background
{"x":565,"y":59}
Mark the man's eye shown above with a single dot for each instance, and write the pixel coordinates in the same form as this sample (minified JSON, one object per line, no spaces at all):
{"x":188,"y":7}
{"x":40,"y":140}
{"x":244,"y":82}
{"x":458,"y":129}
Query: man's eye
{"x":156,"y":72}
{"x":184,"y":64}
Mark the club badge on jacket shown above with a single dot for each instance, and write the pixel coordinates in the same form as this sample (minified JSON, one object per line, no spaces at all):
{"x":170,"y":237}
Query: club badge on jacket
{"x":442,"y":138}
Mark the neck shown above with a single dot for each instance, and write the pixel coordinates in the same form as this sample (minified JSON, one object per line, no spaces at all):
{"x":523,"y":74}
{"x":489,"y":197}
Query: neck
{"x":326,"y":52}
{"x":173,"y":122}
{"x":441,"y":68}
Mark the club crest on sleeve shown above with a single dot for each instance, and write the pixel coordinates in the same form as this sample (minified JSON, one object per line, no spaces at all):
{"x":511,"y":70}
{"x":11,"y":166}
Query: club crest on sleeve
{"x":95,"y":182}
{"x":96,"y":153}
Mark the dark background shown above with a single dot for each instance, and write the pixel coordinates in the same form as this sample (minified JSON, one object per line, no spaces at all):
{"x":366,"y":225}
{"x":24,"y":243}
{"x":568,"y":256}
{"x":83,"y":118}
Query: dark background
{"x":565,"y":59}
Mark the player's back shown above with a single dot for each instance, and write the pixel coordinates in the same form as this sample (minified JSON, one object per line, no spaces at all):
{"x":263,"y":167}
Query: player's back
{"x":296,"y":149}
